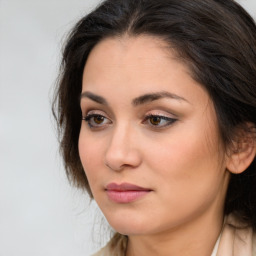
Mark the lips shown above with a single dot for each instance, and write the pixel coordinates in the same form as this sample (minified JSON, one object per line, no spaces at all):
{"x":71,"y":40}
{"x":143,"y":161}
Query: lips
{"x":125,"y":192}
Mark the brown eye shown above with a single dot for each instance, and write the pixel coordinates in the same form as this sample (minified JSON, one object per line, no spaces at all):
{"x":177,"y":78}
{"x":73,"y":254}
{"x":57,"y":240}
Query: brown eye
{"x":98,"y":119}
{"x":155,"y":120}
{"x":159,"y":122}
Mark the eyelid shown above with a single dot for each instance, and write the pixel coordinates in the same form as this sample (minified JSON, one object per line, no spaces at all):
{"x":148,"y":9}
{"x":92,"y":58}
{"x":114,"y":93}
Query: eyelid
{"x":95,"y":112}
{"x":87,"y":106}
{"x":161,"y":113}
{"x":90,"y":114}
{"x":89,"y":119}
{"x":166,"y":119}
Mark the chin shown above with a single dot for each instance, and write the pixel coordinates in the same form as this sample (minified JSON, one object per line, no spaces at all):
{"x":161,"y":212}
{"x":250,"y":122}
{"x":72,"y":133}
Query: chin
{"x":128,"y":224}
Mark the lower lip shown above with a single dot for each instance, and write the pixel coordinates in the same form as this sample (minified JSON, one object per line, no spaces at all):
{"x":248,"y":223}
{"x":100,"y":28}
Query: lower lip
{"x":126,"y":196}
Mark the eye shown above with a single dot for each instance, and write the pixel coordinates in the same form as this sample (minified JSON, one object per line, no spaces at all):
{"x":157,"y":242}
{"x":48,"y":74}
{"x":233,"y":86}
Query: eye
{"x":96,"y":120}
{"x":159,"y":121}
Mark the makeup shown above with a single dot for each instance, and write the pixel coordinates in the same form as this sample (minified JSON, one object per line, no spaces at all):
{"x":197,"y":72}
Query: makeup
{"x":125,"y":192}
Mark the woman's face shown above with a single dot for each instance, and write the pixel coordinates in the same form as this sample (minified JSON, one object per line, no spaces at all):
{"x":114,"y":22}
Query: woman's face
{"x":149,"y":144}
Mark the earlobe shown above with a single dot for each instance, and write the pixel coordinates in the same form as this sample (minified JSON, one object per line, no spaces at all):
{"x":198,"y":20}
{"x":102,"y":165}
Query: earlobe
{"x":242,"y":155}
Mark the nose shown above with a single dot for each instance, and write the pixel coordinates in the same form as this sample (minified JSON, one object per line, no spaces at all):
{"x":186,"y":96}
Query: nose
{"x":123,"y":151}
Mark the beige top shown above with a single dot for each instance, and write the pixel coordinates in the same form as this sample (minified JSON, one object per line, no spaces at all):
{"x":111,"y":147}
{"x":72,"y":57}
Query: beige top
{"x":236,"y":239}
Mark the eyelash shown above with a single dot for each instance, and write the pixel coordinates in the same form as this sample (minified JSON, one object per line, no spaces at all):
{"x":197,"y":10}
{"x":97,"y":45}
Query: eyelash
{"x":169,"y":121}
{"x":89,"y":117}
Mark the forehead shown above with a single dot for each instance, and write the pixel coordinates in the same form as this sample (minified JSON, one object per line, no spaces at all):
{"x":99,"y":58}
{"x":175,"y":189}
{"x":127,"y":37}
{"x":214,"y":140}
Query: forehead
{"x":140,"y":54}
{"x":142,"y":49}
{"x":144,"y":62}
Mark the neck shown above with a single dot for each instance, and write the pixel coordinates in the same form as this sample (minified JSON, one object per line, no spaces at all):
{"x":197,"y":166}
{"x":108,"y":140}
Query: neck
{"x":194,"y":238}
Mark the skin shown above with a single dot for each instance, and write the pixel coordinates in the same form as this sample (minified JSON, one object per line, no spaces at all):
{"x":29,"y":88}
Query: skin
{"x":182,"y":162}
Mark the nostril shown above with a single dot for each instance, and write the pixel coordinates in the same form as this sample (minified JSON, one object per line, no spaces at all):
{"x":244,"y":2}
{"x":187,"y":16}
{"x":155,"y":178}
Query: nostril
{"x":122,"y":151}
{"x":108,"y":165}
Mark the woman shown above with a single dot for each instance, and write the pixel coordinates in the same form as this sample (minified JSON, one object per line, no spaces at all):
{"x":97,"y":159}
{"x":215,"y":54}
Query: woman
{"x":156,"y":106}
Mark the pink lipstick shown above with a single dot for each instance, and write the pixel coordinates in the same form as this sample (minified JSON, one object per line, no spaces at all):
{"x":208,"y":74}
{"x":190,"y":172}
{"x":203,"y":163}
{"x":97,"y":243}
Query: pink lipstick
{"x":125,"y":192}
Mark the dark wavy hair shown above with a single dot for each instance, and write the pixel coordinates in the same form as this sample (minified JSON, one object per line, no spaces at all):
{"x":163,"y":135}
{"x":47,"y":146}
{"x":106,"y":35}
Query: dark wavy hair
{"x":216,"y":39}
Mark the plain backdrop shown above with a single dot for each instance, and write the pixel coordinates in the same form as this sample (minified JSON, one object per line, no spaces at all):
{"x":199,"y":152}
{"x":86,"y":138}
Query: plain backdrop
{"x":40,"y":214}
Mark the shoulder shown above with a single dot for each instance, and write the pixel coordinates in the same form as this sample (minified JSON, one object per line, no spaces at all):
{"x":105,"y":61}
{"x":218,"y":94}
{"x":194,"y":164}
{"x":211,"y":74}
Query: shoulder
{"x":115,"y":247}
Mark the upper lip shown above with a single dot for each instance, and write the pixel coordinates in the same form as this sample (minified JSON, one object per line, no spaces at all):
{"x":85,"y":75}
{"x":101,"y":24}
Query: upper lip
{"x":125,"y":187}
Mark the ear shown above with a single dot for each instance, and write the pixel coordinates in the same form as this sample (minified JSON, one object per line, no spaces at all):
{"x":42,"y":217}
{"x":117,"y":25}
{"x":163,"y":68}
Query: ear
{"x":243,"y":150}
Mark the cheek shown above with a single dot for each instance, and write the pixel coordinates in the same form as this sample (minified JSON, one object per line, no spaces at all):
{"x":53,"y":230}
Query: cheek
{"x":186,"y":164}
{"x":178,"y":161}
{"x":90,"y":154}
{"x":186,"y":180}
{"x":181,"y":150}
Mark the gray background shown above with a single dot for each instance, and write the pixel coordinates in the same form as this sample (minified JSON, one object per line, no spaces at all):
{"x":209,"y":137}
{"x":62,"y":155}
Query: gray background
{"x":40,"y":214}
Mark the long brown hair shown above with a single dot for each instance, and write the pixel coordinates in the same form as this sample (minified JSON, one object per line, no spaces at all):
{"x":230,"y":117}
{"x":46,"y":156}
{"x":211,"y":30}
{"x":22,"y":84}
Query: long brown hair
{"x":215,"y":38}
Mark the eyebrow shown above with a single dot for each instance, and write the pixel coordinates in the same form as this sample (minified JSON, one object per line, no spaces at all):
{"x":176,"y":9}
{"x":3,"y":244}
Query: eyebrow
{"x":156,"y":96}
{"x":143,"y":99}
{"x":94,"y":97}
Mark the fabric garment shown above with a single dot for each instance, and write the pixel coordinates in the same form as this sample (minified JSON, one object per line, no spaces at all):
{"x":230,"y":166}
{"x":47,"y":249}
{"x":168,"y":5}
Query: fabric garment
{"x":236,"y":239}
